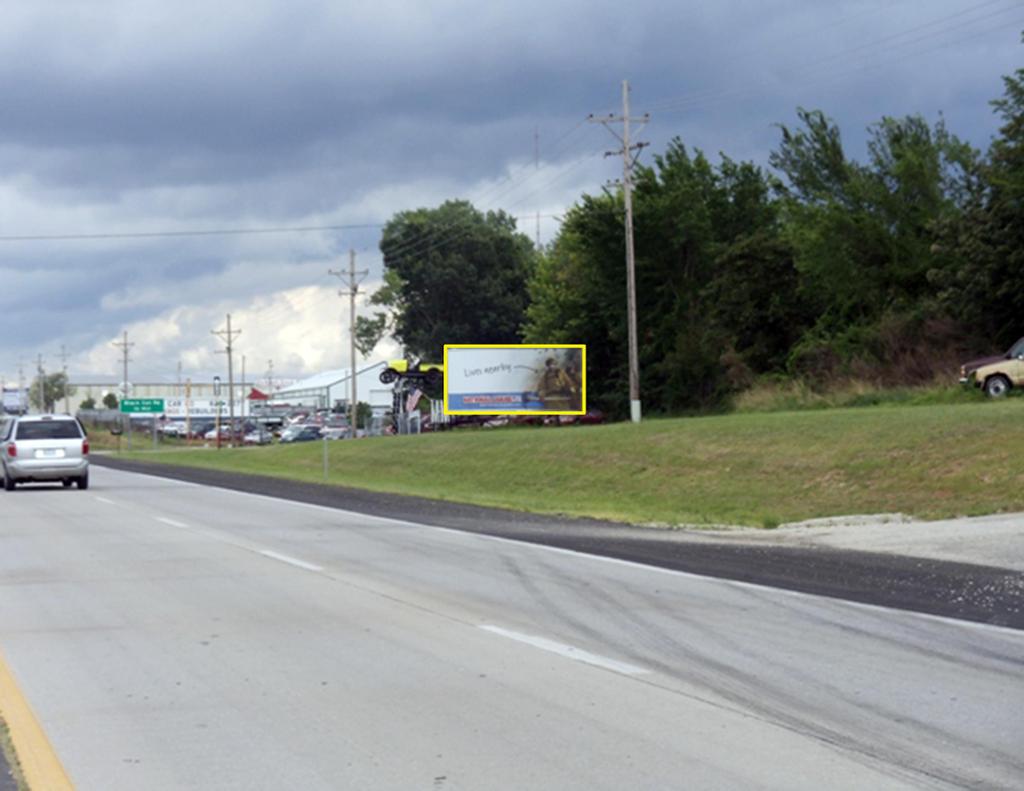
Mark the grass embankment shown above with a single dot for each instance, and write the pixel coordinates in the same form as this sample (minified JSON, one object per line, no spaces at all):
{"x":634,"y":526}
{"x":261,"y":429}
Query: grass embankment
{"x":755,"y":469}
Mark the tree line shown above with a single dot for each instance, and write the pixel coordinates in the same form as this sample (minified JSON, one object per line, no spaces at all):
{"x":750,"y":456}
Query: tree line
{"x":819,"y":266}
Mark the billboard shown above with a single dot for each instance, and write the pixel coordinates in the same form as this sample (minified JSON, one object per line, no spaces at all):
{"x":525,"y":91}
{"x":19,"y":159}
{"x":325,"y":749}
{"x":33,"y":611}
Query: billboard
{"x":524,"y":379}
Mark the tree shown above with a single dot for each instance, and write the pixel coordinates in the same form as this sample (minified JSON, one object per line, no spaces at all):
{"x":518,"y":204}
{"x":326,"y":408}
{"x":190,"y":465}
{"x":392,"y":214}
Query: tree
{"x":451,"y":275}
{"x":48,"y":390}
{"x":983,"y":247}
{"x":700,"y":229}
{"x":87,"y":404}
{"x":863,"y":235}
{"x":110,"y":401}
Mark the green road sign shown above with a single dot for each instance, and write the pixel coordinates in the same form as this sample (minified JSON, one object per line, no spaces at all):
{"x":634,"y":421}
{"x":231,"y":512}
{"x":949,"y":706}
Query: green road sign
{"x":146,"y":406}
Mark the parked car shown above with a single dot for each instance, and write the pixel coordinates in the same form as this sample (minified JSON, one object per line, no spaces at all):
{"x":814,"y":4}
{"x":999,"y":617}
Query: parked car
{"x":259,"y":436}
{"x":41,"y":448}
{"x":304,"y":433}
{"x":996,"y":375}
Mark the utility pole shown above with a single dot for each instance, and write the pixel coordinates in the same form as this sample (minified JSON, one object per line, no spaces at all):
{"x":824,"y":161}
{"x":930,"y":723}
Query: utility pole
{"x":124,"y":346}
{"x":270,"y":377}
{"x":21,"y":387}
{"x":178,"y":391}
{"x":64,"y":364}
{"x":245,"y":398}
{"x":628,"y":163}
{"x":228,"y":336}
{"x":536,"y":168}
{"x":351,"y":290}
{"x":40,"y":376}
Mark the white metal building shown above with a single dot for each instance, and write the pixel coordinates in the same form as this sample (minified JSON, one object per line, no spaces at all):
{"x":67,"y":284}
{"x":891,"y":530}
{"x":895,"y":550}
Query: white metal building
{"x":334,"y":388}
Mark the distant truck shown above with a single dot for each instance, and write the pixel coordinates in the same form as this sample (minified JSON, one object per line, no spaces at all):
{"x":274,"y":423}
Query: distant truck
{"x":998,"y":374}
{"x":14,"y":401}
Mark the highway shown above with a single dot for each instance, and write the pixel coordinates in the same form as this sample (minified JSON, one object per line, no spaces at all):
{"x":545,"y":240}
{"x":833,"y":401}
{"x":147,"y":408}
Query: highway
{"x":169,"y":635}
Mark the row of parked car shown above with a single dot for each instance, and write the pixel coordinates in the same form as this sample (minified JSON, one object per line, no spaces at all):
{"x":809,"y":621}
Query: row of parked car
{"x":302,"y":427}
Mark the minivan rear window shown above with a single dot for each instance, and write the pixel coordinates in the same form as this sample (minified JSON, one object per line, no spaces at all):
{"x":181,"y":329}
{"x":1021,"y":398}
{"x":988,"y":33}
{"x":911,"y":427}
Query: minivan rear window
{"x":49,"y":429}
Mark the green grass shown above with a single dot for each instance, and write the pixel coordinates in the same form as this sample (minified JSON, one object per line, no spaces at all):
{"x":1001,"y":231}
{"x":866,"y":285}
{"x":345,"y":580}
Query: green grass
{"x":772,"y":395}
{"x":758,"y":469}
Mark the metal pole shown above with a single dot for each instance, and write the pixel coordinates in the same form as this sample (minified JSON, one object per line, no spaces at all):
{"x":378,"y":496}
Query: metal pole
{"x":353,"y":289}
{"x":231,"y":387}
{"x":188,"y":411}
{"x":324,"y":440}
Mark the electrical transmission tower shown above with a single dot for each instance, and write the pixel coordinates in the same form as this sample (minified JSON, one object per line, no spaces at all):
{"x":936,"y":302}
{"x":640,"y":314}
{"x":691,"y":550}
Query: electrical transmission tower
{"x":629,"y":159}
{"x":124,"y":346}
{"x":351,"y":290}
{"x":228,"y":336}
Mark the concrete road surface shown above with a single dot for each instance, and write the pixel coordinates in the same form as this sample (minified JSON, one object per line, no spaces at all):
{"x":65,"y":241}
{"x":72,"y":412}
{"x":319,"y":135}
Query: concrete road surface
{"x":169,"y":635}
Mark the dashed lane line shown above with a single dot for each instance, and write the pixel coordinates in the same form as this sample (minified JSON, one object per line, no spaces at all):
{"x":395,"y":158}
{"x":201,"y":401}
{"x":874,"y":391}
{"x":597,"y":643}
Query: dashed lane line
{"x":568,"y":651}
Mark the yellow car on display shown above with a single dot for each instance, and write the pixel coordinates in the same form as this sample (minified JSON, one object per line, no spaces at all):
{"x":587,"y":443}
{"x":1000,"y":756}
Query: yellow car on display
{"x":430,"y":373}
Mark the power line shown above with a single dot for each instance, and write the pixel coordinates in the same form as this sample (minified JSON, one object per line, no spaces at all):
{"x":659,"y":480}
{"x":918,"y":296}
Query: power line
{"x":66,"y":237}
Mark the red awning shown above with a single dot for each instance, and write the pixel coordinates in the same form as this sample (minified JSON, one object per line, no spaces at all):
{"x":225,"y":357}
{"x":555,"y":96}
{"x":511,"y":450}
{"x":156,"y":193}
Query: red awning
{"x":258,"y":395}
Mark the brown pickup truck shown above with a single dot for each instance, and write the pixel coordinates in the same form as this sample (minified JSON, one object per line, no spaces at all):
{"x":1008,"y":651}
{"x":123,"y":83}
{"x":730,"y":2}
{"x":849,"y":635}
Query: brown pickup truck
{"x":996,"y":375}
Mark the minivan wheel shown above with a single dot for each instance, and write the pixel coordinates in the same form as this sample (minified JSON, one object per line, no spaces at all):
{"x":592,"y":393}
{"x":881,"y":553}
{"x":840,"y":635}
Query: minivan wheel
{"x":83,"y":482}
{"x":997,"y":386}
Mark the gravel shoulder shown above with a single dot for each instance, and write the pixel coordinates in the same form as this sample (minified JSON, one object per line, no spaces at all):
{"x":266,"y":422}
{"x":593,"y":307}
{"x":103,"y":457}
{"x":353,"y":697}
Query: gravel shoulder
{"x":996,"y":541}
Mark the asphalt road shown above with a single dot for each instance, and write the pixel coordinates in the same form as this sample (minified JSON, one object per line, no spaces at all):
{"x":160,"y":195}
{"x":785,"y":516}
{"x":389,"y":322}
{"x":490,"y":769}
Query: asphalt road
{"x":169,"y":635}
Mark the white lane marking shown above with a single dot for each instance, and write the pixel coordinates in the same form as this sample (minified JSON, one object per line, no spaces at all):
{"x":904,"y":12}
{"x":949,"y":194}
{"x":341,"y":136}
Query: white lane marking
{"x":171,"y":522}
{"x":104,"y":500}
{"x":290,"y":560}
{"x":741,"y":584}
{"x":568,"y":651}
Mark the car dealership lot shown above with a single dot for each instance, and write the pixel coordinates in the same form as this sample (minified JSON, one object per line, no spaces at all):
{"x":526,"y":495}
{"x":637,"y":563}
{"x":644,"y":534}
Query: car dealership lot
{"x":169,"y":635}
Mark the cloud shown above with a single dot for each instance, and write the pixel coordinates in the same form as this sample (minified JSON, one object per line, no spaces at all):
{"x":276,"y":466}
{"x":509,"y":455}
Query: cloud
{"x":139,"y":115}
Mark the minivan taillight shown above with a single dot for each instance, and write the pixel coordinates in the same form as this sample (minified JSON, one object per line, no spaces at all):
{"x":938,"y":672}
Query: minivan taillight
{"x":12,"y":450}
{"x":85,"y":447}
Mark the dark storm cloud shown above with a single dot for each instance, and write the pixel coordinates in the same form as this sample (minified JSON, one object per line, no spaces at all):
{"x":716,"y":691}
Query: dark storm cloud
{"x":138,"y":116}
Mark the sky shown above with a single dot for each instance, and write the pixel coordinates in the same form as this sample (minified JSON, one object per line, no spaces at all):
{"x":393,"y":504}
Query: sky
{"x":132,"y":133}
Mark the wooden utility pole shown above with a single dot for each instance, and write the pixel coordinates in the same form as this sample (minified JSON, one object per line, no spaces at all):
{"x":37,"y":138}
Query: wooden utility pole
{"x":351,"y":290}
{"x":628,"y":163}
{"x":228,"y":336}
{"x":124,"y":346}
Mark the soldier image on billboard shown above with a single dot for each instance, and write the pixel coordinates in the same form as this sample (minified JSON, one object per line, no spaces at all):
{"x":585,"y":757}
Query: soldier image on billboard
{"x":555,"y":387}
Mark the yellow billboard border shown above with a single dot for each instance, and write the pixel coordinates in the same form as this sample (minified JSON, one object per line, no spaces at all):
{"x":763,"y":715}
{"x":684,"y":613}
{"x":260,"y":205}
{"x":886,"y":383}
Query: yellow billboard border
{"x":583,"y":380}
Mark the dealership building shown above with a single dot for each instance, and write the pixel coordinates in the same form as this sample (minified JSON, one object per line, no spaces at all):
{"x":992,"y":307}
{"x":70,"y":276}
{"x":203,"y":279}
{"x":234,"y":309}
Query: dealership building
{"x":333,"y":389}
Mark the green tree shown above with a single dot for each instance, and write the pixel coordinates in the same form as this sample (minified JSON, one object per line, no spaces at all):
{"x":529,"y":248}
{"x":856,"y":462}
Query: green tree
{"x":88,"y":404}
{"x":110,"y":401}
{"x":982,"y":248}
{"x":701,"y":230}
{"x":47,"y":391}
{"x":863,"y":235}
{"x":451,"y":275}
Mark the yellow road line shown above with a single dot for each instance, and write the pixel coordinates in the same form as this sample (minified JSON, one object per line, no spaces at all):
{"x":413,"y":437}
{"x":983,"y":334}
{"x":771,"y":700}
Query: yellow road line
{"x":39,"y":763}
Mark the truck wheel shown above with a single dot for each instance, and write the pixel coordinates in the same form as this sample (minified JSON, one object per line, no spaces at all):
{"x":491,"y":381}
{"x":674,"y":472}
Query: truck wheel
{"x":388,"y":375}
{"x":997,"y":386}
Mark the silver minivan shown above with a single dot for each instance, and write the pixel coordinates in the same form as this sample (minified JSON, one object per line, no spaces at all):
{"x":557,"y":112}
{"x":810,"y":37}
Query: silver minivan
{"x":41,"y":448}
